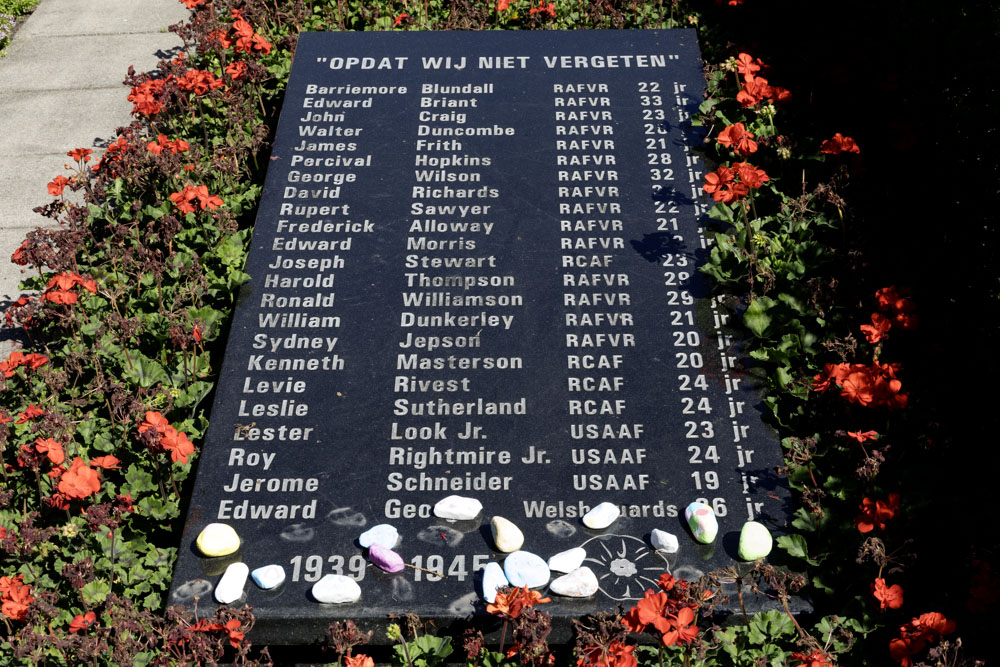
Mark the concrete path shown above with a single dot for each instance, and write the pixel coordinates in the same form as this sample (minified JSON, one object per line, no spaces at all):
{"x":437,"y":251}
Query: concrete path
{"x":60,"y":89}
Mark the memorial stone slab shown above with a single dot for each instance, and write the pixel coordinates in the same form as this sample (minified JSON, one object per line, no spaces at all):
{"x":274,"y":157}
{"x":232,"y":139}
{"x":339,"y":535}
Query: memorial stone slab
{"x":475,"y":274}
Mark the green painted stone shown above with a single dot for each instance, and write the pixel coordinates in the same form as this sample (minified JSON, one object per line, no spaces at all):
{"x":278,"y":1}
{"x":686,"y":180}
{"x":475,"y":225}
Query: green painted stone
{"x":755,"y":541}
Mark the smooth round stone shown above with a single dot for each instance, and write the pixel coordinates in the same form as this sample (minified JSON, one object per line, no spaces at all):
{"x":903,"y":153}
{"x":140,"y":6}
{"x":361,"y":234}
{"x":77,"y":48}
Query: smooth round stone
{"x":602,"y":516}
{"x":702,"y":522}
{"x":506,"y":535}
{"x":567,"y":561}
{"x":755,"y":541}
{"x":524,"y":568}
{"x":269,"y":576}
{"x":230,"y":587}
{"x":383,"y":535}
{"x":493,"y":578}
{"x":385,"y":559}
{"x":336,"y":589}
{"x":580,"y":583}
{"x":458,"y":508}
{"x":664,"y":541}
{"x":218,"y":539}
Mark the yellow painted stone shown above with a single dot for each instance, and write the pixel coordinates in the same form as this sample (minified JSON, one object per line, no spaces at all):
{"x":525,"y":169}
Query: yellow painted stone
{"x":217,"y":539}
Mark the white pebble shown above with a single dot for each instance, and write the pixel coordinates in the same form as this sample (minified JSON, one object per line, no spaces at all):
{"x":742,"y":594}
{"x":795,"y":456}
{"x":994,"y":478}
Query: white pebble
{"x":567,"y":561}
{"x":230,"y":587}
{"x":506,"y":535}
{"x":218,"y":539}
{"x":524,"y":568}
{"x":336,"y":589}
{"x":602,"y":516}
{"x":458,"y":508}
{"x":269,"y":576}
{"x":383,"y":535}
{"x":580,"y":583}
{"x":664,"y":541}
{"x":493,"y":578}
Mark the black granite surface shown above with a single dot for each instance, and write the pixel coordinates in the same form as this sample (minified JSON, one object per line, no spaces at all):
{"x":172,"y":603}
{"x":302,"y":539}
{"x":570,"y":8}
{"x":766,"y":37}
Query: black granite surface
{"x":456,"y":225}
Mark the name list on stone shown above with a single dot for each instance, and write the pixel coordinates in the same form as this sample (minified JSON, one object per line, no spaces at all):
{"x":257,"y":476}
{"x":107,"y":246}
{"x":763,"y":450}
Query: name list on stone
{"x":475,"y":273}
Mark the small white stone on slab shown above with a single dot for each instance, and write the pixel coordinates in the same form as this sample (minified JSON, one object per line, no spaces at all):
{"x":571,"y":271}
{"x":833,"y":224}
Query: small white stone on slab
{"x":269,"y":576}
{"x":567,"y":561}
{"x":383,"y":535}
{"x":664,"y":541}
{"x":336,"y":589}
{"x":458,"y":508}
{"x":218,"y":539}
{"x":385,"y":559}
{"x":702,"y":522}
{"x":493,"y":578}
{"x":755,"y":541}
{"x":580,"y":583}
{"x":230,"y":587}
{"x":602,"y":516}
{"x":524,"y":568}
{"x":506,"y":536}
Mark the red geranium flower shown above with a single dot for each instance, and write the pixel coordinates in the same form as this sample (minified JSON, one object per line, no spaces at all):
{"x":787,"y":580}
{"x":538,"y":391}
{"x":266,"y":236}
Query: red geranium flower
{"x":755,"y":90}
{"x":616,"y":655}
{"x":57,"y":185}
{"x":722,"y":185}
{"x":879,"y":328}
{"x":186,"y":198}
{"x":29,"y":413}
{"x":105,"y":462}
{"x":50,"y":448}
{"x":838,"y":143}
{"x":145,"y":97}
{"x":889,"y":597}
{"x":399,"y":19}
{"x":682,"y":630}
{"x":874,"y":513}
{"x":542,"y":8}
{"x":738,"y":139}
{"x":750,"y":175}
{"x":82,"y":621}
{"x":502,"y":5}
{"x":79,"y":154}
{"x":199,"y":82}
{"x":80,"y":480}
{"x":917,"y":634}
{"x":814,"y":659}
{"x":163,"y":144}
{"x":15,"y":596}
{"x":237,"y":70}
{"x":747,"y":65}
{"x":359,"y":660}
{"x":512,"y":604}
{"x":863,"y":436}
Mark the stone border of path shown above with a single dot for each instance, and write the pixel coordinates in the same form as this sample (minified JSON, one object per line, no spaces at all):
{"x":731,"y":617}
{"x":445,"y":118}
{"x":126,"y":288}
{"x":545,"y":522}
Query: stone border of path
{"x":60,"y":89}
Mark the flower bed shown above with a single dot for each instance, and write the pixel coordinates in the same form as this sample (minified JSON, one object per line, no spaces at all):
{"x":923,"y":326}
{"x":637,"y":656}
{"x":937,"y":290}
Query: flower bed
{"x":101,"y":420}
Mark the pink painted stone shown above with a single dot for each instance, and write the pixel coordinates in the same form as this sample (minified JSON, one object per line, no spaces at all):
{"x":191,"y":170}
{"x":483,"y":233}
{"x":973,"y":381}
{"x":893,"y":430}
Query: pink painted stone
{"x":386,"y":559}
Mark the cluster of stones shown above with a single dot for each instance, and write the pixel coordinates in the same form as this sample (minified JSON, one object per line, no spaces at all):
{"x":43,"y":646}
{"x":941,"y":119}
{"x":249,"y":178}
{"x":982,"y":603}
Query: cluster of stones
{"x":520,"y":568}
{"x":219,"y":539}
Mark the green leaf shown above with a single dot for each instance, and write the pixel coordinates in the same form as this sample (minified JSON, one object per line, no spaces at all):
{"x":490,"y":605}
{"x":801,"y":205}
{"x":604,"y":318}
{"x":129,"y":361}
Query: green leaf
{"x":144,"y":371}
{"x":139,"y":481}
{"x":795,"y":546}
{"x":771,"y":624}
{"x":804,"y":520}
{"x":756,"y":318}
{"x":721,"y":211}
{"x":95,"y":592}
